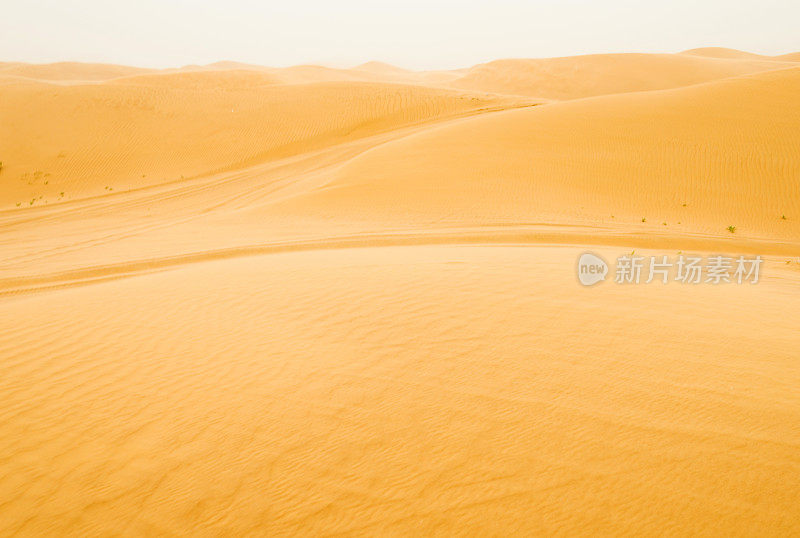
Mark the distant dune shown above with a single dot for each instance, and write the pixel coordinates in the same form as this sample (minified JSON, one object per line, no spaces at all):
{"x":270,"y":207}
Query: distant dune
{"x":253,"y":301}
{"x":69,"y":71}
{"x":722,"y":52}
{"x":733,"y":54}
{"x":381,"y":68}
{"x":587,"y":76}
{"x":792,"y":57}
{"x":226,"y":79}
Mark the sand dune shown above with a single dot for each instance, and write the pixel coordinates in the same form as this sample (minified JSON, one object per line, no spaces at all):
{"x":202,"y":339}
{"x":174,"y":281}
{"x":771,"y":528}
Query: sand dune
{"x":150,"y":129}
{"x":369,"y":72}
{"x":586,"y":76}
{"x":791,"y":57}
{"x":381,"y":68}
{"x":227,"y":79}
{"x":313,"y":301}
{"x":721,"y":52}
{"x":702,"y":163}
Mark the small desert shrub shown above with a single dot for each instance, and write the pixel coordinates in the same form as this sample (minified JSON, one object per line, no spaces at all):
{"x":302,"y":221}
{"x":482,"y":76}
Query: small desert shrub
{"x":731,"y":229}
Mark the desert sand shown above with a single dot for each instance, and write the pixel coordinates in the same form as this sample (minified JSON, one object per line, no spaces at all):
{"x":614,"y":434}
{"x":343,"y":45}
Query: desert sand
{"x":239,"y":300}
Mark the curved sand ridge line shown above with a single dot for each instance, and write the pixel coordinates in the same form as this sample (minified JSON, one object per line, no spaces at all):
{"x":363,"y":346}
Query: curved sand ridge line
{"x":41,"y":231}
{"x":128,"y":134}
{"x":685,"y":160}
{"x":59,"y":235}
{"x":518,"y":236}
{"x":476,"y":180}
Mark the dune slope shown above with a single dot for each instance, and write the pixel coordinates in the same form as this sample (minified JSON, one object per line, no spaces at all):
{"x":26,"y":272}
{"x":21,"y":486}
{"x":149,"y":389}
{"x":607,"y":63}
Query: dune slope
{"x":149,"y":129}
{"x":408,"y":390}
{"x":693,"y":158}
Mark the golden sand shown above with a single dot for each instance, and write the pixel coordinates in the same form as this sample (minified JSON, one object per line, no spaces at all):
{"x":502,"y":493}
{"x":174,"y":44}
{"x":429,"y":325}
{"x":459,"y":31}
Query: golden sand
{"x":238,"y":300}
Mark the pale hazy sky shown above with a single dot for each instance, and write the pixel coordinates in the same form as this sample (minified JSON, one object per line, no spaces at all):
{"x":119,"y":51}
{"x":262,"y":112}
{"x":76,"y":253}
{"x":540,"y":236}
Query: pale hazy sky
{"x":410,"y":33}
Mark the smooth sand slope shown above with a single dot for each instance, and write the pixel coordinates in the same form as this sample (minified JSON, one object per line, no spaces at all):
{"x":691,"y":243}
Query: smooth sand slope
{"x":315,"y":301}
{"x":148,"y":129}
{"x":696,"y":158}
